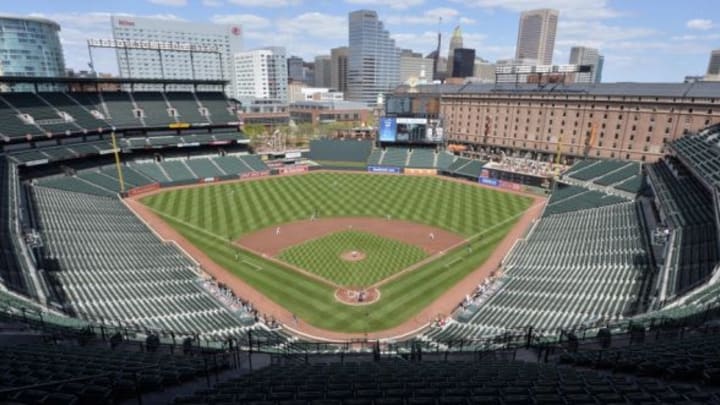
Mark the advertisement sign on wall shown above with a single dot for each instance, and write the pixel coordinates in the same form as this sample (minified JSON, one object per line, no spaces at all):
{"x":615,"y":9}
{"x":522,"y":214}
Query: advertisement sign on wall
{"x":420,"y":172}
{"x":292,"y":169}
{"x":383,"y":169}
{"x":388,"y":129}
{"x":489,"y":182}
{"x":250,"y":175}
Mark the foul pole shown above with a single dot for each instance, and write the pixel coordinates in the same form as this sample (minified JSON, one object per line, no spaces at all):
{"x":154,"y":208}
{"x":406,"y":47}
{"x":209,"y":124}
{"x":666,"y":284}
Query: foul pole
{"x":117,"y":162}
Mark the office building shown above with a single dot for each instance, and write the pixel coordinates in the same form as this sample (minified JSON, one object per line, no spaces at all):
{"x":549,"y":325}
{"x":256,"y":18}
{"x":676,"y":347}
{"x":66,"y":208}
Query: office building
{"x":536,"y":35}
{"x":262,"y":74}
{"x":599,"y":70}
{"x":631,"y":120}
{"x":30,"y":47}
{"x":295,"y":69}
{"x":484,"y":71}
{"x":463,"y":62}
{"x":581,"y":55}
{"x":414,"y":66}
{"x":713,"y":70}
{"x":322,"y":71}
{"x":142,"y":63}
{"x":456,"y":42}
{"x":373,"y":59}
{"x":338,"y":68}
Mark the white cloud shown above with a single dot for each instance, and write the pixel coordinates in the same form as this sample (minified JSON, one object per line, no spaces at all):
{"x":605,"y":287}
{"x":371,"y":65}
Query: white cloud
{"x":212,"y":3}
{"x":576,"y":9}
{"x":706,"y":37}
{"x":394,"y":4}
{"x":700,"y":24}
{"x":466,"y":21}
{"x":429,"y":17}
{"x":318,"y":25}
{"x":171,"y":3}
{"x":247,"y":21}
{"x":265,"y":3}
{"x":597,"y":34}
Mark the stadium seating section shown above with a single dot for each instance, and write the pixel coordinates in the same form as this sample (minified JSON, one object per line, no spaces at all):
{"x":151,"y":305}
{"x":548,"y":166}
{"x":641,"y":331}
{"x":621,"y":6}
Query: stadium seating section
{"x":688,"y":209}
{"x":574,"y":268}
{"x":92,"y":374}
{"x":11,"y":274}
{"x":567,"y":198}
{"x":394,"y":382}
{"x":340,"y":151}
{"x":54,"y":112}
{"x":620,"y":175}
{"x":107,"y":266}
{"x":466,"y":167}
{"x":692,"y":358}
{"x":103,"y":181}
{"x":700,"y":153}
{"x":418,"y":158}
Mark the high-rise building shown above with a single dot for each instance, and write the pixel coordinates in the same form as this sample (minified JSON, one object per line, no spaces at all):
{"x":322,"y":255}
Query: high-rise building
{"x":456,"y":42}
{"x":322,"y":71}
{"x":413,"y":65}
{"x":463,"y":62}
{"x":338,"y":68}
{"x":295,"y":69}
{"x":536,"y":35}
{"x":139,"y":63}
{"x":30,"y":47}
{"x":309,"y":73}
{"x":713,"y":70}
{"x":581,"y":55}
{"x":598,"y":71}
{"x":262,"y":74}
{"x":373,"y":59}
{"x":483,"y":71}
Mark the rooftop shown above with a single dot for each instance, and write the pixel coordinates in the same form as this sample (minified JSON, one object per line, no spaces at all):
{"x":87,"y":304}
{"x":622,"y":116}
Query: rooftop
{"x":697,"y":89}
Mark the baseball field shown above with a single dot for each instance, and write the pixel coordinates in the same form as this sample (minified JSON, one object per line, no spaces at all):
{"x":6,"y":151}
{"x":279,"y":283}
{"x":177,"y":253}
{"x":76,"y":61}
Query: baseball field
{"x":299,"y":239}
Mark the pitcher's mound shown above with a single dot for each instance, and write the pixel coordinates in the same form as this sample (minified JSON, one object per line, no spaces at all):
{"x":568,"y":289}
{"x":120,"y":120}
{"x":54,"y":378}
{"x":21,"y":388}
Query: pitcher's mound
{"x":353,"y":255}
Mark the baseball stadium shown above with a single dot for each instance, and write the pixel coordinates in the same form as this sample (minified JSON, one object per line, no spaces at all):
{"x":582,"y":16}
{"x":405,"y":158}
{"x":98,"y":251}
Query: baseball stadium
{"x":153,"y":252}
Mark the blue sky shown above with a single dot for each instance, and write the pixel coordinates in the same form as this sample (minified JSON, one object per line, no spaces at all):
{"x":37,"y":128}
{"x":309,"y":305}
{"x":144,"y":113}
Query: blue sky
{"x":642,"y":40}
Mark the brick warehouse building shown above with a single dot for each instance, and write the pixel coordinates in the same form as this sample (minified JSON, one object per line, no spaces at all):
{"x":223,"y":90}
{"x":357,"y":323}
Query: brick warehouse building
{"x":632,"y":120}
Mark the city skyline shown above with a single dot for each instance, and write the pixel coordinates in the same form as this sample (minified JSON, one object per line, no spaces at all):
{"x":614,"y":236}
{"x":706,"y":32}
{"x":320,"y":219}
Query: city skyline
{"x":671,"y":42}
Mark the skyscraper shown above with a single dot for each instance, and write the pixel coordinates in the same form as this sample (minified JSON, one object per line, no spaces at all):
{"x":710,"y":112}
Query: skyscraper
{"x":713,"y":70}
{"x":373,"y":59}
{"x":463,"y":62}
{"x":322,"y":71}
{"x":582,"y":55}
{"x":262,"y":74}
{"x":295,"y":69}
{"x":140,"y":63}
{"x":338,"y":68}
{"x":413,"y":65}
{"x":536,"y":35}
{"x":455,"y":42}
{"x":30,"y":46}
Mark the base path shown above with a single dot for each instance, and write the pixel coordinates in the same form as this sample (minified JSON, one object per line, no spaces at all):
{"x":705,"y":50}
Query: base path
{"x":443,"y":305}
{"x":271,"y":242}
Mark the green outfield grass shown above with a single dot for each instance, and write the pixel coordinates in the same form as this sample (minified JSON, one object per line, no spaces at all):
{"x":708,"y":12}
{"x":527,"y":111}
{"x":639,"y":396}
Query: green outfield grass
{"x":211,"y":216}
{"x":322,"y":256}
